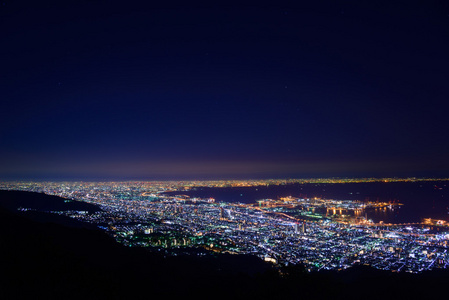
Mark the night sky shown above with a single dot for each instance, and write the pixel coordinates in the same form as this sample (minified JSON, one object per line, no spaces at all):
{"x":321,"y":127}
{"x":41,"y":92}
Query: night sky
{"x":122,"y":90}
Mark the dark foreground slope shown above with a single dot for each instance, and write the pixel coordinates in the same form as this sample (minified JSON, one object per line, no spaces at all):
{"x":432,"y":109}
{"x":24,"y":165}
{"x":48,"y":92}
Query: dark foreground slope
{"x":47,"y":259}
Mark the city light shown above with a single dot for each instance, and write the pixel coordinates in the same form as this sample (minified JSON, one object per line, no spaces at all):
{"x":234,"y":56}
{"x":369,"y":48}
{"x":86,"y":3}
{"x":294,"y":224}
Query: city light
{"x":318,"y":233}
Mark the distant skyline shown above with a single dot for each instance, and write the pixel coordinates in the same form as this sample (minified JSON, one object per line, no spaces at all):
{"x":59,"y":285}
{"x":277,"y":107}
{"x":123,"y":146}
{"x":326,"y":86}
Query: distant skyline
{"x":114,"y":90}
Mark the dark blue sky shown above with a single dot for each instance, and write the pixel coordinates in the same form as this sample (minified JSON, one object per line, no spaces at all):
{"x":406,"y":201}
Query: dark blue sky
{"x":122,"y":90}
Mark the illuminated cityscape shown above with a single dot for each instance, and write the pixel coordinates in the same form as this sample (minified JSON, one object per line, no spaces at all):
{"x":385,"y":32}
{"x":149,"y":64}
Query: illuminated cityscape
{"x":183,"y":149}
{"x":321,"y":234}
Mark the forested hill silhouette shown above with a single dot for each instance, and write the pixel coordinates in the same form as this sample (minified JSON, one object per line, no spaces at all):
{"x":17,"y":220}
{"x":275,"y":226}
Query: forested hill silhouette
{"x":44,"y":258}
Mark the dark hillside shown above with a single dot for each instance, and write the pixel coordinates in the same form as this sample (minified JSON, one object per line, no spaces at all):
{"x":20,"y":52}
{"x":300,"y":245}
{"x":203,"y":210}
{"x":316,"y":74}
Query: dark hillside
{"x":53,"y":260}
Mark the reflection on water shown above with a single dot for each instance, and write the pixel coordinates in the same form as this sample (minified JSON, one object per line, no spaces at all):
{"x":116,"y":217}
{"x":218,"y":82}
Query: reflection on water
{"x":385,"y":214}
{"x":420,"y":199}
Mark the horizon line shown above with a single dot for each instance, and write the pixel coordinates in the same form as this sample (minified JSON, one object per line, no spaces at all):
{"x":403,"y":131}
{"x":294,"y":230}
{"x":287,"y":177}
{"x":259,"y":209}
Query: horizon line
{"x":290,"y":180}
